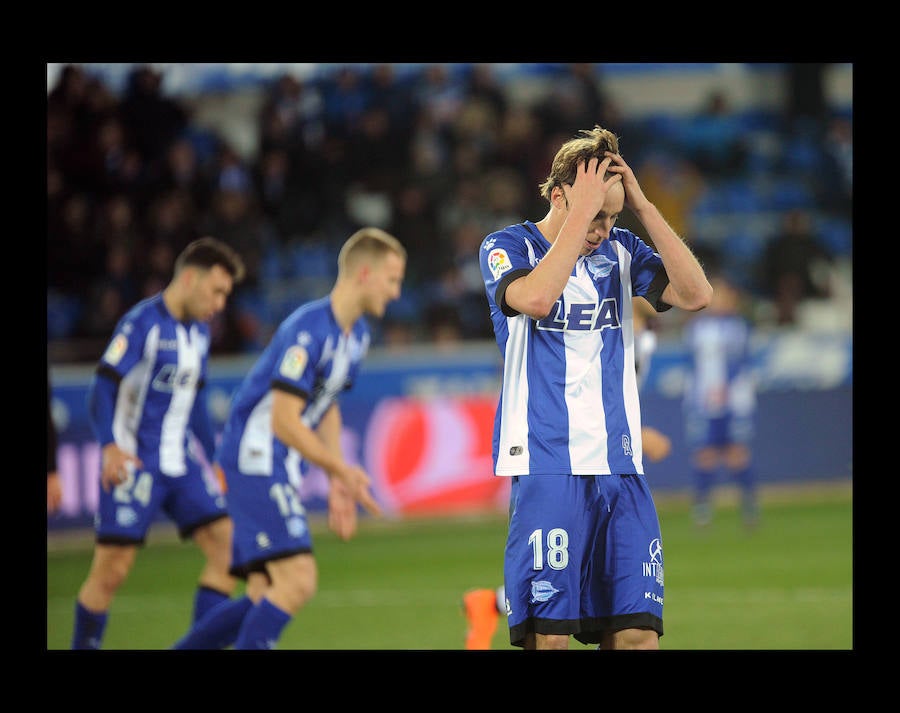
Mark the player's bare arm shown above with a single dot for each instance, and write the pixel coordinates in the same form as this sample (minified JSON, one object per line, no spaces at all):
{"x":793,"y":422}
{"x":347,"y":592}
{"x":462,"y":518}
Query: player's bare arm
{"x":688,"y":287}
{"x":342,"y":516}
{"x":289,"y":428}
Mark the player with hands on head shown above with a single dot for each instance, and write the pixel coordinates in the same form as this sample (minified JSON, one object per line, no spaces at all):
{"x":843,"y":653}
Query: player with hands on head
{"x":145,"y":402}
{"x":583,"y":554}
{"x":285,"y":417}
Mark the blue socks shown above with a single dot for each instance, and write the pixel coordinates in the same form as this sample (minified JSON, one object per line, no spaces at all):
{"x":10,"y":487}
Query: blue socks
{"x":262,"y":626}
{"x":219,"y":628}
{"x":89,"y":628}
{"x":205,"y":599}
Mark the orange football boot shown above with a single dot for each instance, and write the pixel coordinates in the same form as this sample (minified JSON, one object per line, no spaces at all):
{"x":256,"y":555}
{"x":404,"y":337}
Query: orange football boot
{"x":480,"y":607}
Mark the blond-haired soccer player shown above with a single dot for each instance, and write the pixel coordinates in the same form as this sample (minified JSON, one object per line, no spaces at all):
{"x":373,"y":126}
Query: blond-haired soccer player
{"x":285,"y":416}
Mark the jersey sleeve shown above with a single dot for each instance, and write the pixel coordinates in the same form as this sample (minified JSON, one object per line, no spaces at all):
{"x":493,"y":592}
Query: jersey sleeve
{"x":125,"y":348}
{"x":101,"y":405}
{"x":295,"y":362}
{"x":503,"y":257}
{"x":648,"y":274}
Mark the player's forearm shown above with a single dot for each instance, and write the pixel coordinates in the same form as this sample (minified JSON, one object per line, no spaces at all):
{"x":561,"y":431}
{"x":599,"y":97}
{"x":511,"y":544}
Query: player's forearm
{"x":687,"y":279}
{"x":290,"y":430}
{"x":536,"y":293}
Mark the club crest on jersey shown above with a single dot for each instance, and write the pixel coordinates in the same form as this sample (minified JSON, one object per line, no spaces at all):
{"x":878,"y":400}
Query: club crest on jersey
{"x":498,"y":262}
{"x":598,"y":265}
{"x":294,"y":362}
{"x":116,"y":349}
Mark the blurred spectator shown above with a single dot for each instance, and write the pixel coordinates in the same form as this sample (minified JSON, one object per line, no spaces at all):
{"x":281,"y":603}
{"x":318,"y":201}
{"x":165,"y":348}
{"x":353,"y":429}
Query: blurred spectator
{"x":714,"y":139}
{"x":440,"y":96}
{"x":235,"y":220}
{"x":75,"y":256}
{"x":443,"y":325}
{"x":577,"y":100}
{"x":793,"y":266}
{"x":806,"y":104}
{"x":674,"y":185}
{"x":345,"y":99}
{"x":293,"y":115}
{"x":183,"y":171}
{"x":838,"y":162}
{"x":153,"y":120}
{"x":171,"y":219}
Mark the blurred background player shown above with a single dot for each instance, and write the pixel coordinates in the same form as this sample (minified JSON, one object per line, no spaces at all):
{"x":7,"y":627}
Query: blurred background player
{"x":285,"y":416}
{"x":720,"y":400}
{"x":146,"y":400}
{"x":483,"y":607}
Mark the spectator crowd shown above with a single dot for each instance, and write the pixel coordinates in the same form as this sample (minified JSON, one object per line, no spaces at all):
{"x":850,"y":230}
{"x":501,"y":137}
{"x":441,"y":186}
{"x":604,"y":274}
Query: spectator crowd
{"x":439,"y":158}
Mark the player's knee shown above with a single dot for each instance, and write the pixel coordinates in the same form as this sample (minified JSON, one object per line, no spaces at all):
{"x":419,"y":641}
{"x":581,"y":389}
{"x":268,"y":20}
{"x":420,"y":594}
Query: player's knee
{"x":635,"y":639}
{"x":295,"y":580}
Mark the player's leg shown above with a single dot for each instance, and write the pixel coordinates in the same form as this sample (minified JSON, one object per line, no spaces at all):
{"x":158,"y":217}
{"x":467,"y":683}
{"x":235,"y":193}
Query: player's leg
{"x":124,"y":515}
{"x":737,"y":460}
{"x":109,"y":569}
{"x":198,"y":509}
{"x":215,"y":584}
{"x":220,"y":626}
{"x":626,"y":588}
{"x":548,"y":551}
{"x":705,"y":462}
{"x":294,"y":581}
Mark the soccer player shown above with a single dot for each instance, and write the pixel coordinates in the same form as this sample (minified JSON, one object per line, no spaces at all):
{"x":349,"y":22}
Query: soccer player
{"x":720,"y":401}
{"x":583,"y":554}
{"x":285,"y":416}
{"x":145,"y":401}
{"x":483,"y":607}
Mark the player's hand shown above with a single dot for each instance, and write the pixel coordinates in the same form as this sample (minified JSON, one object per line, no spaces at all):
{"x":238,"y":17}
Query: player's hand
{"x":357,"y":484}
{"x":117,"y":466}
{"x":342,"y":518}
{"x":657,"y":445}
{"x":54,"y":492}
{"x":588,"y":193}
{"x":634,"y":195}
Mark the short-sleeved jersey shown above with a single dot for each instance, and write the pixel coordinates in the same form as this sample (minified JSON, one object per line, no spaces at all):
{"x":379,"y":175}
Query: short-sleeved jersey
{"x":569,"y":399}
{"x":721,"y":381}
{"x":309,"y":355}
{"x":161,"y":363}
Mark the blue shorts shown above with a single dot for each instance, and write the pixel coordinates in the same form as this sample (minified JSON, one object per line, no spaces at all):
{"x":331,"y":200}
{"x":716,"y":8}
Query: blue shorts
{"x":583,"y":557}
{"x":269,"y":520}
{"x":718,"y":431}
{"x":125,"y":513}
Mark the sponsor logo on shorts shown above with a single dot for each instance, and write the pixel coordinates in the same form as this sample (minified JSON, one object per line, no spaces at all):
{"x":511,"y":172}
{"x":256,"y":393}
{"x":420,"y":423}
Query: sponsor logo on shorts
{"x":542,"y":591}
{"x":654,"y":568}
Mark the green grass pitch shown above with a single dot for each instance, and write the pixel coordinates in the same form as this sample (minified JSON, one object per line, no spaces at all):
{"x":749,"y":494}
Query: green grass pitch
{"x":786,"y":585}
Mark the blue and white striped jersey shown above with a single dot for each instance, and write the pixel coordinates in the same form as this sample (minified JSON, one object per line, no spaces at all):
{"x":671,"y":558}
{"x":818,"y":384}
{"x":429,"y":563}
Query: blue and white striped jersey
{"x":309,"y":355}
{"x":161,"y":363}
{"x":569,"y":400}
{"x":722,"y":380}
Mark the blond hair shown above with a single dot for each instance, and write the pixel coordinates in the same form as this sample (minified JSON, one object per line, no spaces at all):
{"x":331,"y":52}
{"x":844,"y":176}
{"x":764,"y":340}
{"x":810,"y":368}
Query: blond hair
{"x":367,"y":245}
{"x":590,"y":143}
